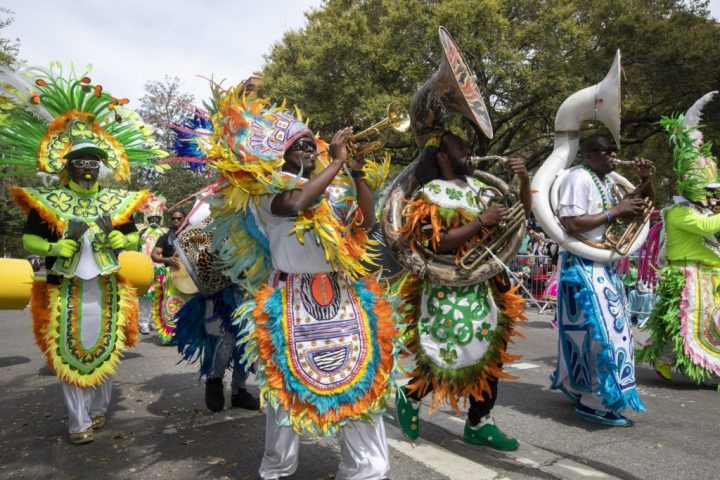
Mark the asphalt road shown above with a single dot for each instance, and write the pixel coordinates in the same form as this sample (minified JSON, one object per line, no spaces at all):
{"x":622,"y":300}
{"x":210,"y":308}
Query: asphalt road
{"x":158,"y":426}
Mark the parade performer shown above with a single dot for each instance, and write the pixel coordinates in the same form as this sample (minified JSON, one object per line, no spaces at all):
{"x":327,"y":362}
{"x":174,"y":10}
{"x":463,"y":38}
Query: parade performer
{"x":290,"y":227}
{"x":149,"y":235}
{"x":595,"y":363}
{"x":85,"y":314}
{"x":169,"y":297}
{"x":457,"y":334}
{"x":685,"y":333}
{"x":204,"y":327}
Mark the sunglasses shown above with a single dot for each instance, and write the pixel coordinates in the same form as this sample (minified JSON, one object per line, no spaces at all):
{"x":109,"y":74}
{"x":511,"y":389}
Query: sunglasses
{"x":303,"y":145}
{"x":82,"y":163}
{"x":180,"y":219}
{"x":605,"y":151}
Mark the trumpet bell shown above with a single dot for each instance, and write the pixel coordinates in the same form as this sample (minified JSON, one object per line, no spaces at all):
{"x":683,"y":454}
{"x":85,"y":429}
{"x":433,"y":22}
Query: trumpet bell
{"x":398,"y":117}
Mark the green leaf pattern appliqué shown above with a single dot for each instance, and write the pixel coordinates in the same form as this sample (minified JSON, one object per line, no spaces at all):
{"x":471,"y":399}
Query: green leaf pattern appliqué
{"x":450,"y":318}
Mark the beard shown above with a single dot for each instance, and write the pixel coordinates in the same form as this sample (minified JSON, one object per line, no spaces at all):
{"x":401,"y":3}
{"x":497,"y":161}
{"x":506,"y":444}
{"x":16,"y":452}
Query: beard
{"x":463,"y":168}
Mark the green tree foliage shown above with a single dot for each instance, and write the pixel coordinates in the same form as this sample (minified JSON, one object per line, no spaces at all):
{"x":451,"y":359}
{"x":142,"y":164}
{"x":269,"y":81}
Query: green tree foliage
{"x":353,"y":57}
{"x":11,"y":219}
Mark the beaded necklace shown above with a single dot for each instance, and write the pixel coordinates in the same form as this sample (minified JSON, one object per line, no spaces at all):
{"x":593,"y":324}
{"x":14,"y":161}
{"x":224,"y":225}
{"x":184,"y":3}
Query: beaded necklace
{"x":604,"y":192}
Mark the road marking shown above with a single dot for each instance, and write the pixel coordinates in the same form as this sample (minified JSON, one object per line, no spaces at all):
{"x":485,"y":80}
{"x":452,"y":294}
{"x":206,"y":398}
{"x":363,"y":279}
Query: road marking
{"x":442,"y":461}
{"x":522,"y":366}
{"x":530,"y":455}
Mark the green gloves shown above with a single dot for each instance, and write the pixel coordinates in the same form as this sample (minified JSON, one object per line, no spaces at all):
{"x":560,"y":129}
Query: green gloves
{"x":63,"y":248}
{"x":39,"y":246}
{"x":116,"y":240}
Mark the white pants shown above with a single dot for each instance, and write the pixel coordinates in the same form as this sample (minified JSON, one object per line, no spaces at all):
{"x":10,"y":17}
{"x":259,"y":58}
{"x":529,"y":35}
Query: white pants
{"x":363,"y":449}
{"x":85,"y":403}
{"x":145,"y":318}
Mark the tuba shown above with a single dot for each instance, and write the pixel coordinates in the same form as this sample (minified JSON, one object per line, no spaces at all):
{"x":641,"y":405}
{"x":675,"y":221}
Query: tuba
{"x":452,"y":90}
{"x":600,"y":102}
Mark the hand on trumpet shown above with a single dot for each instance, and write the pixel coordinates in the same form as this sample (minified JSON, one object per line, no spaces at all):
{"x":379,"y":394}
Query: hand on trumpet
{"x":339,"y":145}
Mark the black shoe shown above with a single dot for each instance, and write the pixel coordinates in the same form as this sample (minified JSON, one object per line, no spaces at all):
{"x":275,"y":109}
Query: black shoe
{"x":214,"y":397}
{"x":244,"y":399}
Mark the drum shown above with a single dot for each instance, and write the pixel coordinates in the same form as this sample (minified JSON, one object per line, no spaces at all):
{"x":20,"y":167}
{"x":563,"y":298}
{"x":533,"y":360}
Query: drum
{"x":17,"y":284}
{"x":194,"y":248}
{"x":137,"y":269}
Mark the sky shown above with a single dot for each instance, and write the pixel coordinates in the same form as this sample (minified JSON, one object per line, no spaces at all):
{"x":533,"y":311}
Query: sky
{"x":129,"y":42}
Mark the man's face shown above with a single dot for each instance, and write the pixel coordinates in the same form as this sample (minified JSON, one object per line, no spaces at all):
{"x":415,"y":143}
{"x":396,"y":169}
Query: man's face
{"x":302,"y":154}
{"x":600,"y":155}
{"x":458,"y":152}
{"x":154,"y":220}
{"x":176,"y":219}
{"x":84,"y":170}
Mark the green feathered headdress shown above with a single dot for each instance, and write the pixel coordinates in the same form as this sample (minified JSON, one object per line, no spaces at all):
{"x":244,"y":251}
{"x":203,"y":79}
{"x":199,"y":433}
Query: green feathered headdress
{"x":43,"y":113}
{"x":693,"y":162}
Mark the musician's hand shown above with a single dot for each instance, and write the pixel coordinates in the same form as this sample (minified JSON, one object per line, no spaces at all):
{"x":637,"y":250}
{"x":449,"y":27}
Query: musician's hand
{"x":116,"y":239}
{"x":643,"y":167}
{"x":516,"y":166}
{"x":63,"y":248}
{"x":173,"y":262}
{"x":493,"y":215}
{"x":356,"y":163}
{"x":629,"y":207}
{"x":338,"y":144}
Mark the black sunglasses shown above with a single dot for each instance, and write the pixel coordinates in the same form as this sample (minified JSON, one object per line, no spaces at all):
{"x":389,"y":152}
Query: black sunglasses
{"x":304,"y":145}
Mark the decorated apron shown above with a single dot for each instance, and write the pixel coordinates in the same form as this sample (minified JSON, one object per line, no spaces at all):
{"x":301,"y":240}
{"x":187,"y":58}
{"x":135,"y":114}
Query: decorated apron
{"x":84,"y":323}
{"x":458,"y":334}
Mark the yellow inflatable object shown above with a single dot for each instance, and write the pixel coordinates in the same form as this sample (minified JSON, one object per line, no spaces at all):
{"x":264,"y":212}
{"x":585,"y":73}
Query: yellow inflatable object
{"x":17,"y":283}
{"x":137,"y":269}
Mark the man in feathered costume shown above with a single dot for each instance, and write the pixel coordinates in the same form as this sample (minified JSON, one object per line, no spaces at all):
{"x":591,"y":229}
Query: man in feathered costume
{"x":149,"y":235}
{"x":290,"y":227}
{"x":85,"y":314}
{"x":457,"y":334}
{"x":595,"y":359}
{"x":684,"y":325}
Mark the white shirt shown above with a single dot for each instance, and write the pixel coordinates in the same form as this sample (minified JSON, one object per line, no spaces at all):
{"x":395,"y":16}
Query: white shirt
{"x":286,"y":252}
{"x":578,"y":195}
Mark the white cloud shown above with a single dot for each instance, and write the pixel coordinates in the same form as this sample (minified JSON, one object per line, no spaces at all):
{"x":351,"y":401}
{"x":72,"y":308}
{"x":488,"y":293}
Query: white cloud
{"x":132,"y":41}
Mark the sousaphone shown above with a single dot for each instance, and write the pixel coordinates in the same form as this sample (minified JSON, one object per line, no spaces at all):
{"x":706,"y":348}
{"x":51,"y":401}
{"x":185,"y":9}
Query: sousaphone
{"x":452,"y":90}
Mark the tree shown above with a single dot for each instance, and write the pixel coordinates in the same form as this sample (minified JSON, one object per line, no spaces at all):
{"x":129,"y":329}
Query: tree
{"x":352,"y":58}
{"x":11,"y":218}
{"x":163,"y":105}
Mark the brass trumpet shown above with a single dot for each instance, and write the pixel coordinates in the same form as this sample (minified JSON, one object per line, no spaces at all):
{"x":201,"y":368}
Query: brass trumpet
{"x":397,"y":118}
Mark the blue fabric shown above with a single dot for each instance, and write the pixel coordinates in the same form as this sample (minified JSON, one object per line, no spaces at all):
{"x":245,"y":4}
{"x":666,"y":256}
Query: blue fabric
{"x":613,"y":376}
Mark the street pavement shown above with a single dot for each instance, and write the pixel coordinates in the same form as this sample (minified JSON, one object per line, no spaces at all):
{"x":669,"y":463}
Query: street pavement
{"x":158,"y":426}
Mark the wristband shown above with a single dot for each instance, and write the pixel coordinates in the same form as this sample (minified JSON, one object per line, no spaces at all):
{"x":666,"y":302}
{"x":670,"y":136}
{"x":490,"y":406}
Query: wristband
{"x":357,"y":174}
{"x":608,"y":215}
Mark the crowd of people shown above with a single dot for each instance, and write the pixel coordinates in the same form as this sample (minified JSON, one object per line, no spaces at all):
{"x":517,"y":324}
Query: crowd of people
{"x":298,"y":305}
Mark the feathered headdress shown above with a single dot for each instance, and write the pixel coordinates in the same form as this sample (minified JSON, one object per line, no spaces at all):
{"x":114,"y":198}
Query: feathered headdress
{"x":154,"y":207}
{"x":45,"y":113}
{"x":693,"y":162}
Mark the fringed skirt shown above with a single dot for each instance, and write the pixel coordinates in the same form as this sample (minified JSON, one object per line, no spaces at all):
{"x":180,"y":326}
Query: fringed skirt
{"x":324,"y":346}
{"x":458,"y":336}
{"x":596,"y":352}
{"x":686,"y":320}
{"x":82,"y":326}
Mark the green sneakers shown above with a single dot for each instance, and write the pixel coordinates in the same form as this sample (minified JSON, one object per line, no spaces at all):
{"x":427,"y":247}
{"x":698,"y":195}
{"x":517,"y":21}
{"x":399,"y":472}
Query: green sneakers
{"x":489,"y":435}
{"x":408,"y":416}
{"x":663,"y":370}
